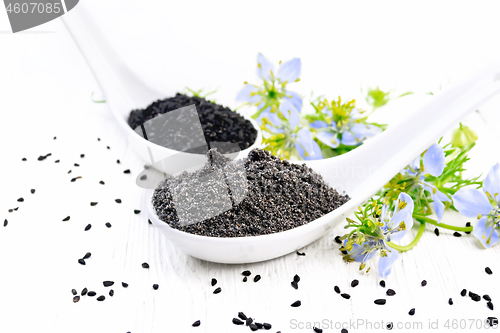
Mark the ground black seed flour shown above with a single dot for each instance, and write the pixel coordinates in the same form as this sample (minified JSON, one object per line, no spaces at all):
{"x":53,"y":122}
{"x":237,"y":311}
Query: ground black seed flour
{"x":266,"y":195}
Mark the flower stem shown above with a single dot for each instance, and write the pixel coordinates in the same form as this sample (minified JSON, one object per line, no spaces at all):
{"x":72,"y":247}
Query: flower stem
{"x":422,"y":219}
{"x":404,"y":248}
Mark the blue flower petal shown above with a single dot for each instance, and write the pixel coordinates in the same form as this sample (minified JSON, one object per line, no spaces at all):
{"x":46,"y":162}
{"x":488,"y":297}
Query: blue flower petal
{"x":441,"y":196}
{"x":318,"y":124}
{"x":290,"y":112}
{"x":401,"y":215}
{"x":492,"y":182}
{"x":358,"y":133}
{"x":266,"y":68}
{"x":385,"y":263}
{"x":290,"y":70}
{"x":481,"y":233}
{"x":295,"y":99}
{"x":348,"y":139}
{"x":434,"y":160}
{"x":307,"y":148}
{"x":271,"y":116}
{"x":328,"y":139}
{"x":245,"y":94}
{"x":326,"y":111}
{"x":438,"y":207}
{"x":355,"y":114}
{"x":471,"y":202}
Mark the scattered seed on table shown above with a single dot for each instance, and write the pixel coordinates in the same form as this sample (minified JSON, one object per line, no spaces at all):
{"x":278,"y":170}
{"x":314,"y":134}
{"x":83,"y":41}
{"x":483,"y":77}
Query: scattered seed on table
{"x":242,"y":316}
{"x":390,"y":292}
{"x":248,"y":321}
{"x":301,"y":253}
{"x":66,"y":218}
{"x":267,"y":326}
{"x":149,"y":221}
{"x":76,"y":164}
{"x":33,"y":191}
{"x":118,"y":161}
{"x":69,"y":172}
{"x":42,"y":157}
{"x":436,"y":231}
{"x":492,"y":321}
{"x":145,"y":265}
{"x":344,"y":330}
{"x":450,"y":301}
{"x":87,"y":255}
{"x":84,"y":291}
{"x":126,"y":171}
{"x":296,"y":304}
{"x":101,"y":182}
{"x":253,"y":327}
{"x":196,"y":323}
{"x":423,"y":283}
{"x":380,"y":301}
{"x":20,"y":199}
{"x":143,"y":177}
{"x":5,"y":222}
{"x":296,"y":278}
{"x":246,"y":273}
{"x":108,"y":147}
{"x":74,"y":292}
{"x":488,"y":270}
{"x":467,"y":225}
{"x":354,"y":283}
{"x":476,"y":297}
{"x":213,"y":282}
{"x":463,"y":292}
{"x":259,"y":325}
{"x":487,"y":298}
{"x":390,"y":326}
{"x":55,"y":137}
{"x":412,"y":312}
{"x":101,"y":298}
{"x":337,"y":289}
{"x":295,"y":285}
{"x":136,"y":211}
{"x":81,"y":261}
{"x":118,"y":200}
{"x":93,"y":203}
{"x":108,"y":224}
{"x":76,"y":299}
{"x":111,"y":293}
{"x":74,"y":179}
{"x":124,"y":284}
{"x":317,"y":330}
{"x":24,"y":159}
{"x":346,"y":296}
{"x":490,"y":305}
{"x":382,"y":283}
{"x":236,"y":321}
{"x":457,"y":234}
{"x":108,"y":283}
{"x":82,"y":155}
{"x":88,"y":227}
{"x":245,"y":279}
{"x":57,"y":161}
{"x":91,"y":293}
{"x":156,"y":286}
{"x":337,"y":240}
{"x":218,"y":290}
{"x":256,"y":278}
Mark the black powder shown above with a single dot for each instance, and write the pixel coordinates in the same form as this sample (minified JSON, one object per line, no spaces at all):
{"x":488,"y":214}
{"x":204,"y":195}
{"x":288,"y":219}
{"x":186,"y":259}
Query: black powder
{"x":279,"y":196}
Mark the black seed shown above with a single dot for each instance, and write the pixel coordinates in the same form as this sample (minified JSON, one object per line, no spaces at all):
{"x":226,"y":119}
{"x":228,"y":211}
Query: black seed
{"x":156,"y":286}
{"x":108,"y":283}
{"x":463,"y":292}
{"x":390,"y":326}
{"x":143,"y":177}
{"x":476,"y":298}
{"x":295,"y":285}
{"x":87,"y":255}
{"x":457,"y":234}
{"x":101,"y":182}
{"x":76,"y":164}
{"x":107,"y":224}
{"x":74,"y":179}
{"x":126,"y":171}
{"x":20,"y":199}
{"x":253,"y":327}
{"x":5,"y":222}
{"x":259,"y":325}
{"x":450,"y":301}
{"x":124,"y":284}
{"x":149,"y":221}
{"x":471,"y":294}
{"x":111,"y":293}
{"x":488,"y":270}
{"x":145,"y":265}
{"x":467,"y":225}
{"x":344,"y":330}
{"x":346,"y":296}
{"x":242,"y":316}
{"x":33,"y":191}
{"x":390,"y":292}
{"x":57,"y":161}
{"x":492,"y":321}
{"x":412,"y":312}
{"x":246,"y":273}
{"x":490,"y":305}
{"x":84,"y":291}
{"x":301,"y":253}
{"x":93,"y":203}
{"x":267,"y":326}
{"x":317,"y":330}
{"x":296,"y":304}
{"x":81,"y":261}
{"x":236,"y":321}
{"x":82,"y":155}
{"x":248,"y":321}
{"x":337,"y":240}
{"x":296,"y":278}
{"x":101,"y":298}
{"x":423,"y":283}
{"x":74,"y":292}
{"x":256,"y":278}
{"x":337,"y":289}
{"x":88,"y":227}
{"x":436,"y":231}
{"x":213,"y":282}
{"x":245,"y":279}
{"x":66,"y":218}
{"x":218,"y":290}
{"x":487,"y":298}
{"x":91,"y":293}
{"x":118,"y":161}
{"x":196,"y":323}
{"x":41,"y":157}
{"x":69,"y":172}
{"x":382,"y":283}
{"x":380,"y":301}
{"x":24,"y":159}
{"x":76,"y":299}
{"x":354,"y":283}
{"x":136,"y":211}
{"x":118,"y":200}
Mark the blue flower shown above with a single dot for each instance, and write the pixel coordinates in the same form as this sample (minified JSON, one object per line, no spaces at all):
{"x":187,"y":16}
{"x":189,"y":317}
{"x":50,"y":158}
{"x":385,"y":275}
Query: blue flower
{"x":485,"y":205}
{"x":391,"y":226}
{"x":307,"y":148}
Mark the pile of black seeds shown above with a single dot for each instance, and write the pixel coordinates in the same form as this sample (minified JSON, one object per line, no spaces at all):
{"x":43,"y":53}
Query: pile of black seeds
{"x":280,"y":196}
{"x":219,"y":123}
